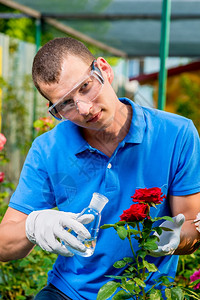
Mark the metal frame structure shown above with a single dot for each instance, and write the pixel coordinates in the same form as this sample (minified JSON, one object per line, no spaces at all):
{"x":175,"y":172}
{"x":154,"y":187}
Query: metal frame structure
{"x":164,"y":52}
{"x":50,"y":19}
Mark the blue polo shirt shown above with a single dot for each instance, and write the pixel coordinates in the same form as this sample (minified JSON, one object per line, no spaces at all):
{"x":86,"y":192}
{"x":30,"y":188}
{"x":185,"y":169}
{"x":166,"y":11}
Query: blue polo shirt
{"x":160,"y":150}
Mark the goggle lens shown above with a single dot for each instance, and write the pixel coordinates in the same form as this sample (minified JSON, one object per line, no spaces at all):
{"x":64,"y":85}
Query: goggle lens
{"x":86,"y":91}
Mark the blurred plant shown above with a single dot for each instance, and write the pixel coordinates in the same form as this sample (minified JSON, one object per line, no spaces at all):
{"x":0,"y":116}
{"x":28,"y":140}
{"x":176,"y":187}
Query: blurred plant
{"x":187,"y":266}
{"x":195,"y":278}
{"x":6,"y":187}
{"x":2,"y":141}
{"x":44,"y":124}
{"x":22,"y":28}
{"x":20,"y":279}
{"x":15,"y":113}
{"x":187,"y":103}
{"x":3,"y":158}
{"x":2,"y":176}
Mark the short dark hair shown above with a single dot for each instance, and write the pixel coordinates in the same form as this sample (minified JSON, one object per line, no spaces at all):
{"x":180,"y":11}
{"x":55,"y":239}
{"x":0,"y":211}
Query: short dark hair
{"x":48,"y":60}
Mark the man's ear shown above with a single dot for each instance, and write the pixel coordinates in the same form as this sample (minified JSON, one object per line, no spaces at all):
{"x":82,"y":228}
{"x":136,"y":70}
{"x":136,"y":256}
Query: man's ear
{"x":105,"y":69}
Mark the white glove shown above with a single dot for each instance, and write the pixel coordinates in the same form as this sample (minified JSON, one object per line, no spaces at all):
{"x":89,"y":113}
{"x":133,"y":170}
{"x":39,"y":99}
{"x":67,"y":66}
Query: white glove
{"x":197,"y":222}
{"x":46,"y":228}
{"x":169,"y":240}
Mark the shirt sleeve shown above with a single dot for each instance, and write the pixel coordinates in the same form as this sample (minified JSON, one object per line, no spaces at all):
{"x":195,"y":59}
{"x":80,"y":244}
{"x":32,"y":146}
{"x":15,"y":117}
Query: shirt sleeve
{"x":186,"y":180}
{"x":34,"y":191}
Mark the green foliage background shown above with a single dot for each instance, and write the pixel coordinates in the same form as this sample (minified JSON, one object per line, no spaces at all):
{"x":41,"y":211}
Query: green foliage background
{"x":21,"y":279}
{"x":188,"y":102}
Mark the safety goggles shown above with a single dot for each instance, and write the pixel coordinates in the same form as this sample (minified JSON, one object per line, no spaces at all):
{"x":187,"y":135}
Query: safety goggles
{"x":85,"y":91}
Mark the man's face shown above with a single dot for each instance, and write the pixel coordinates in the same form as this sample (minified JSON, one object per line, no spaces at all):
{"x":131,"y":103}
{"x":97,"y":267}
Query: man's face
{"x":94,"y":113}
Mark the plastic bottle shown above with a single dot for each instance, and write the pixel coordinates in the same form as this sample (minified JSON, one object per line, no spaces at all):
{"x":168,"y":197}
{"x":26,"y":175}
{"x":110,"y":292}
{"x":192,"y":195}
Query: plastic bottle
{"x":95,"y":207}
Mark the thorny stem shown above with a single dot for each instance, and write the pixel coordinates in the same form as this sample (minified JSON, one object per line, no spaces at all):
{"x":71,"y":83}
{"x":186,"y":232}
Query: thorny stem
{"x":129,"y":238}
{"x":143,"y":270}
{"x":138,"y":227}
{"x":136,"y":260}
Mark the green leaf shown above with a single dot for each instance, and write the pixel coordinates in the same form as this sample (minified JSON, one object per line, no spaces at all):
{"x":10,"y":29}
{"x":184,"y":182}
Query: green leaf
{"x":133,"y":231}
{"x":165,"y":280}
{"x":163,"y":218}
{"x":168,"y":294}
{"x":177,"y":293}
{"x":119,"y":264}
{"x":194,"y":282}
{"x":146,"y":234}
{"x":191,"y":293}
{"x":128,"y":259}
{"x":150,"y":246}
{"x":141,"y":253}
{"x":23,"y":263}
{"x":8,"y":184}
{"x":121,"y":295}
{"x":122,"y":232}
{"x":150,"y":267}
{"x":158,"y":230}
{"x":132,"y":268}
{"x":130,"y":285}
{"x":168,"y":219}
{"x":29,"y":292}
{"x":132,"y":224}
{"x":107,"y":290}
{"x":105,"y":226}
{"x":38,"y":123}
{"x":152,"y":238}
{"x":20,"y":297}
{"x":116,"y":277}
{"x":139,"y":282}
{"x":166,"y":228}
{"x":155,"y":295}
{"x":120,"y":223}
{"x":148,"y":223}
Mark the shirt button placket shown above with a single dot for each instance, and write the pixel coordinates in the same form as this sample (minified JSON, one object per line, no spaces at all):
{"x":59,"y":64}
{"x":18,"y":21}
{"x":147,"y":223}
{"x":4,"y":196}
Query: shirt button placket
{"x":109,"y":166}
{"x":111,"y":179}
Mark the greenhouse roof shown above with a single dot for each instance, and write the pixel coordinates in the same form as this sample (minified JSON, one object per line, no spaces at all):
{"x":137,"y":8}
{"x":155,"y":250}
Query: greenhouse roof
{"x":125,"y":27}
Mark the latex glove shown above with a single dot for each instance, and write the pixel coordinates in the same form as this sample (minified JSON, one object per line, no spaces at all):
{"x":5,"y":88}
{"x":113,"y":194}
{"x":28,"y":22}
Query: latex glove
{"x":169,"y":240}
{"x":197,"y":222}
{"x":45,"y":227}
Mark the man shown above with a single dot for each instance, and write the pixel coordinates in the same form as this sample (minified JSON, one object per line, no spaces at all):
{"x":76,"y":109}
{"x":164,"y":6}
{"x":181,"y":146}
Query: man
{"x":106,"y":145}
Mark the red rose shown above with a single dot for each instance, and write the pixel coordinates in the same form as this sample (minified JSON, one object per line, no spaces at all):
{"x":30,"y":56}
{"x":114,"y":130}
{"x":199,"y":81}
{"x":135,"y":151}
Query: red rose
{"x":137,"y":212}
{"x":151,"y":195}
{"x":2,"y":141}
{"x":1,"y":176}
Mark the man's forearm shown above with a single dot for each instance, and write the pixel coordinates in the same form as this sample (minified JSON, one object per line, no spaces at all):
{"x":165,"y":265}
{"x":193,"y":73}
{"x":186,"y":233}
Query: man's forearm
{"x":13,"y":241}
{"x":190,"y":239}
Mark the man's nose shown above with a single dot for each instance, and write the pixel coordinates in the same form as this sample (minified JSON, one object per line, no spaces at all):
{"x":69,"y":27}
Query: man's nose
{"x":83,"y":107}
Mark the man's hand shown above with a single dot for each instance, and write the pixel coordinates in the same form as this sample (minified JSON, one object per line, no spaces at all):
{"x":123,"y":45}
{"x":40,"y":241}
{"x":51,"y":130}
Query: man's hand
{"x":169,"y":240}
{"x":46,"y":228}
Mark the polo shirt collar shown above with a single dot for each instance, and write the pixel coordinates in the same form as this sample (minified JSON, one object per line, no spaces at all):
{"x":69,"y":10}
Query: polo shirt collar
{"x":135,"y":134}
{"x":138,"y":123}
{"x":79,"y":143}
